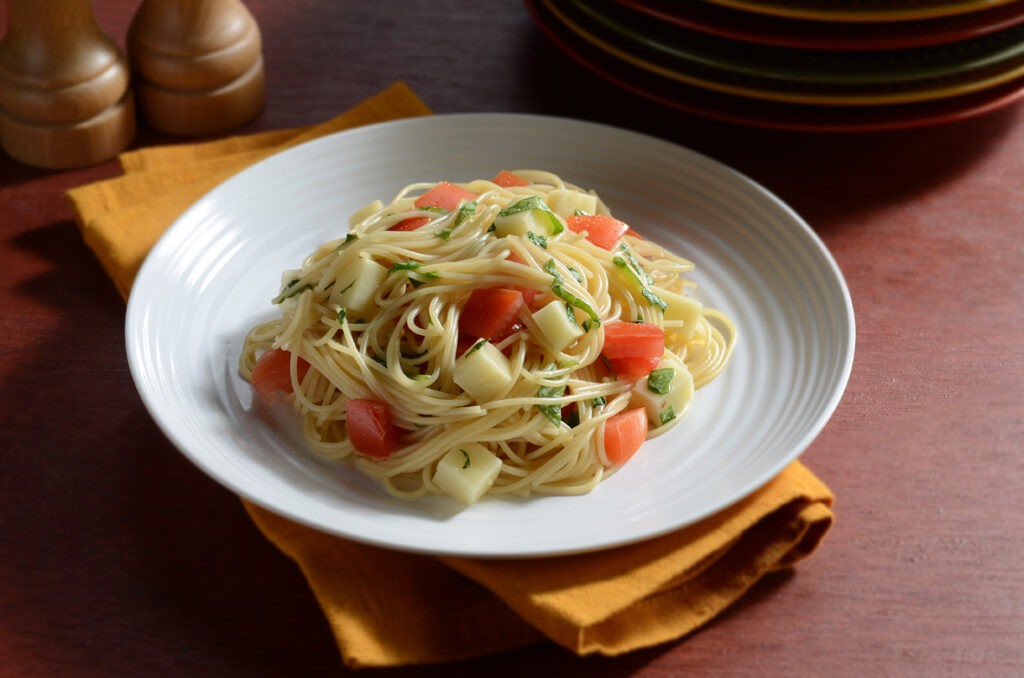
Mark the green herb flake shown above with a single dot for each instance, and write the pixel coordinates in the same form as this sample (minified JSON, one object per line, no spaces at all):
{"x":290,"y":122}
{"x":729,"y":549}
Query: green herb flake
{"x":599,"y":401}
{"x":636,"y":265}
{"x":433,"y":208}
{"x":576,"y":274}
{"x":412,"y":266}
{"x":342,"y":312}
{"x":466,"y":210}
{"x":553,"y":413}
{"x":660,"y":381}
{"x":349,"y":239}
{"x":465,"y":455}
{"x":538,"y":240}
{"x":348,"y":287}
{"x":476,"y":347}
{"x":290,"y":290}
{"x":667,"y":415}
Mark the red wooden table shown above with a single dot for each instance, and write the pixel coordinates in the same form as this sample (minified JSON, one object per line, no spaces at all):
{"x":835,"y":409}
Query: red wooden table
{"x":118,"y":557}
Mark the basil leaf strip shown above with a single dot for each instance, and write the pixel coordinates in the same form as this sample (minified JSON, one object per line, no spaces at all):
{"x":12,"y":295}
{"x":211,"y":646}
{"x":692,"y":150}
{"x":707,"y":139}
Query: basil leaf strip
{"x":570,"y":298}
{"x":290,"y":290}
{"x":652,"y":298}
{"x":534,"y":203}
{"x":553,"y":413}
{"x":466,"y":210}
{"x":412,"y":266}
{"x":667,"y":415}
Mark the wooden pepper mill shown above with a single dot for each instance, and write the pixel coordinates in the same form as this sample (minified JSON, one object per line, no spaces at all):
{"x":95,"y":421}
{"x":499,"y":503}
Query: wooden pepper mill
{"x":197,"y":64}
{"x":64,"y":86}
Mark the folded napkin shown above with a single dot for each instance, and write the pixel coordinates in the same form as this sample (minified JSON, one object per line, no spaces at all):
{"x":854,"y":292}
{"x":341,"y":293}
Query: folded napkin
{"x":389,"y":607}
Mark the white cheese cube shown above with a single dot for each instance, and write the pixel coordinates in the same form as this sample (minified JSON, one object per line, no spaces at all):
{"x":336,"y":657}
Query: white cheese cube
{"x":355,"y":286}
{"x":565,"y":203}
{"x":554,"y":323}
{"x":483,"y":373}
{"x":678,"y":395}
{"x":467,"y":472}
{"x":682,"y":307}
{"x":519,"y":223}
{"x":364,"y":212}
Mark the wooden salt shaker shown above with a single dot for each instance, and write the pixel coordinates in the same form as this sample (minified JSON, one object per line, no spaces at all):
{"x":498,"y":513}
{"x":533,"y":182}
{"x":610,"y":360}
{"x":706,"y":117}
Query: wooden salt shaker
{"x":64,"y":86}
{"x":197,"y":64}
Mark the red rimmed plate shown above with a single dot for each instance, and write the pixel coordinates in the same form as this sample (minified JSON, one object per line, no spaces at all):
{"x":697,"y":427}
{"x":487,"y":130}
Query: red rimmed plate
{"x":767,"y":114}
{"x":766,"y":29}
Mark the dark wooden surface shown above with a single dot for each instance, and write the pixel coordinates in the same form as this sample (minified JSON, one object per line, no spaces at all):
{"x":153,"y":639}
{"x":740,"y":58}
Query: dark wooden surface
{"x":119,"y":558}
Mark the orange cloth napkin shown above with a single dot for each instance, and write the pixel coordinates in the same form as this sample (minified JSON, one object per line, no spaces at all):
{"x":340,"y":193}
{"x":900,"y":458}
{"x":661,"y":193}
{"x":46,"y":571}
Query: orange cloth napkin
{"x":388,"y":607}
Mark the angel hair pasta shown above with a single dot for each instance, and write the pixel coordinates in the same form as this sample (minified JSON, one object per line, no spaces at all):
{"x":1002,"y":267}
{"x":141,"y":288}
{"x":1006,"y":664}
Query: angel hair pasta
{"x":492,"y":337}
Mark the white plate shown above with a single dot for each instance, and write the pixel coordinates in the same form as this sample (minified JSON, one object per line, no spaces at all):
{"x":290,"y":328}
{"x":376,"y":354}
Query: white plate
{"x":214,"y":272}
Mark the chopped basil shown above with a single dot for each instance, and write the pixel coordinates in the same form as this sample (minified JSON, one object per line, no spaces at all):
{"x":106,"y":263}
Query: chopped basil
{"x":290,"y":290}
{"x":433,"y":208}
{"x":631,"y":273}
{"x":659,"y":381}
{"x":466,"y":457}
{"x":552,"y":412}
{"x":667,"y":415}
{"x":563,"y":364}
{"x":571,"y":315}
{"x":348,"y":286}
{"x":538,"y":240}
{"x":342,"y":312}
{"x":534,"y":203}
{"x":570,"y":298}
{"x":465,"y":211}
{"x":636,"y":265}
{"x":576,"y":274}
{"x":599,"y":401}
{"x":348,"y":240}
{"x":476,"y":346}
{"x":412,"y":266}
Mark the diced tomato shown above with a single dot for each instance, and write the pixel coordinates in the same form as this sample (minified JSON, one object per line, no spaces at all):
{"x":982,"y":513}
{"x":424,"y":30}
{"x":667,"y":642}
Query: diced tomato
{"x":633,"y":367}
{"x":491,"y":313}
{"x":507,"y":179}
{"x":410,"y":224}
{"x":624,"y":433}
{"x":602,"y":230}
{"x":633,"y":340}
{"x":445,"y":195}
{"x":370,"y":428}
{"x":273,"y":372}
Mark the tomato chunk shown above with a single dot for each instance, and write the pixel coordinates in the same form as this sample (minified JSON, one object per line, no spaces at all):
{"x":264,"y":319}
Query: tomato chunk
{"x":624,"y":433}
{"x":370,"y":428}
{"x":273,"y":372}
{"x":633,"y":340}
{"x":602,"y":230}
{"x":410,"y":224}
{"x":507,"y":179}
{"x":445,"y":195}
{"x":491,"y":313}
{"x":633,"y":367}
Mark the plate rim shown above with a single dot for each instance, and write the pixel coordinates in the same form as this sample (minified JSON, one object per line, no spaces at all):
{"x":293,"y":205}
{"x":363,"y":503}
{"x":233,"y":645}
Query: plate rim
{"x":152,"y":263}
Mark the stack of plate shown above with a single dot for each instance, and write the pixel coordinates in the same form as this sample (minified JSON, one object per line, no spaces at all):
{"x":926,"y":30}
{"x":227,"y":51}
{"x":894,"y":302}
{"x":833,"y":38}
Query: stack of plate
{"x":820,"y":65}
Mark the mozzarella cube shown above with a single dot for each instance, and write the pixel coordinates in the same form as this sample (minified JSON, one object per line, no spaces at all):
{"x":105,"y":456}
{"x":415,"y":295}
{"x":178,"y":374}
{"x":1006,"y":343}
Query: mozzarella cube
{"x":356,"y":286}
{"x":678,"y":395}
{"x":519,"y":223}
{"x":467,"y":472}
{"x":556,"y":326}
{"x":483,"y":373}
{"x":682,"y":307}
{"x":565,"y":203}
